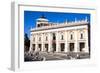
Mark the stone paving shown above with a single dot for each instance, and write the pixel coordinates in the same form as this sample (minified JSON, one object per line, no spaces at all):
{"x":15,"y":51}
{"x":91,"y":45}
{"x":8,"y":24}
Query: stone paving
{"x":40,"y":56}
{"x":62,"y":56}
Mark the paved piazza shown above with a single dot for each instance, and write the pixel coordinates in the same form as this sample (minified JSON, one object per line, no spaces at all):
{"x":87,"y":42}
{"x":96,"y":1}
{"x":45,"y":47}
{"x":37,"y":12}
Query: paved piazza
{"x":60,"y":56}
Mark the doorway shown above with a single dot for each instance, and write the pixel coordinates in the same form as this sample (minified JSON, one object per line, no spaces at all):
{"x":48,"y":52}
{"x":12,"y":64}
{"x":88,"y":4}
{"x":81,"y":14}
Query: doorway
{"x":54,"y":47}
{"x":46,"y":46}
{"x":62,"y":45}
{"x":71,"y":47}
{"x":33,"y":47}
{"x":39,"y":45}
{"x":82,"y":46}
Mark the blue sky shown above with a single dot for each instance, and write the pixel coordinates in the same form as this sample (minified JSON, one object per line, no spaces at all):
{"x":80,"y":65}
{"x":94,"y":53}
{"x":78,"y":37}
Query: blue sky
{"x":31,"y":16}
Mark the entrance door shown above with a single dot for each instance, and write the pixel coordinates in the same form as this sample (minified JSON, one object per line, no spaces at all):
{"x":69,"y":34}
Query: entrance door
{"x":46,"y":46}
{"x":62,"y":45}
{"x":54,"y":47}
{"x":71,"y":47}
{"x":82,"y":46}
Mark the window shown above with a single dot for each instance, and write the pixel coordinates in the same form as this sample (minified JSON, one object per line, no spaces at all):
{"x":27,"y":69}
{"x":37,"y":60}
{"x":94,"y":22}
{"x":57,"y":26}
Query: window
{"x":46,"y":46}
{"x":81,"y":36}
{"x":71,"y":37}
{"x":34,"y":39}
{"x":33,"y":47}
{"x":54,"y":37}
{"x":39,"y":38}
{"x":82,"y":45}
{"x":62,"y":37}
{"x":39,"y":46}
{"x":71,"y":47}
{"x":38,"y":25}
{"x":62,"y":45}
{"x":46,"y":38}
{"x":41,"y":24}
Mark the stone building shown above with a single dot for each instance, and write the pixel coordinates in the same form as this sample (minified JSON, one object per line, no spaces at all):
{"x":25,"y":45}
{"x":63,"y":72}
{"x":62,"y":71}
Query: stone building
{"x":60,"y":37}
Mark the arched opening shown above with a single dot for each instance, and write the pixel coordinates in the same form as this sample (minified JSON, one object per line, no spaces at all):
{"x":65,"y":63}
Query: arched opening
{"x":38,"y":25}
{"x":54,"y":47}
{"x":54,"y":36}
{"x":33,"y":47}
{"x":82,"y":46}
{"x":46,"y":46}
{"x":71,"y":47}
{"x":46,"y":38}
{"x":62,"y":46}
{"x":71,"y":37}
{"x":39,"y":46}
{"x":81,"y":36}
{"x":62,"y":37}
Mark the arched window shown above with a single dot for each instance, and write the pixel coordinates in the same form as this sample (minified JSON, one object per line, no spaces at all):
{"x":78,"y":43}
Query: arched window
{"x":38,"y":25}
{"x":71,"y":36}
{"x":54,"y":36}
{"x":81,"y":36}
{"x":62,"y":37}
{"x":39,"y":38}
{"x":46,"y":38}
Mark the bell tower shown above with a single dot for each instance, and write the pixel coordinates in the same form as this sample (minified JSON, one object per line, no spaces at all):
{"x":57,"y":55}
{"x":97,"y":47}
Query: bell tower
{"x":42,"y":21}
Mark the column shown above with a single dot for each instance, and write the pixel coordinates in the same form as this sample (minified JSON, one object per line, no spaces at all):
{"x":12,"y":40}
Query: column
{"x":76,"y":41}
{"x":86,"y":49}
{"x":57,"y":42}
{"x":49,"y":42}
{"x":66,"y":42}
{"x":36,"y":42}
{"x":42,"y":38}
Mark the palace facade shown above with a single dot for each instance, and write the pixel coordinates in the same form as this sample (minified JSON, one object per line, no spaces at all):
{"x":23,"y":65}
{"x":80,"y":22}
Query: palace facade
{"x":60,"y":37}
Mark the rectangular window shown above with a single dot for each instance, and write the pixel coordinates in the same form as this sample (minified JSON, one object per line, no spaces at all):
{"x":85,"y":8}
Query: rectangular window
{"x":71,"y":37}
{"x":81,"y":36}
{"x":46,"y":38}
{"x":62,"y":37}
{"x":39,"y":38}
